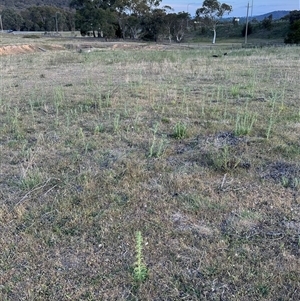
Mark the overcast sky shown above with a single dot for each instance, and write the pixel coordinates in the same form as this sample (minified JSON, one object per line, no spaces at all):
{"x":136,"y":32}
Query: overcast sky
{"x":239,"y":6}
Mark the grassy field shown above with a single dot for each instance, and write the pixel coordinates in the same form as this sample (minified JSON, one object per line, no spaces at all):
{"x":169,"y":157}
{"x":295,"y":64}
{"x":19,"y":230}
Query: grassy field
{"x":150,"y":174}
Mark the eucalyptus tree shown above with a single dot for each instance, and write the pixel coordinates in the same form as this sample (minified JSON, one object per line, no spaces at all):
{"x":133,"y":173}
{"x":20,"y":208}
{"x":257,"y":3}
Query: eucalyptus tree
{"x":131,"y":12}
{"x":211,"y":12}
{"x":177,"y":25}
{"x":154,"y":25}
{"x":94,"y":15}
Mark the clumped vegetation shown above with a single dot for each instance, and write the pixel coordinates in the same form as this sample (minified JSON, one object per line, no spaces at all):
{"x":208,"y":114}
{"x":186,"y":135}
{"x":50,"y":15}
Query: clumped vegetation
{"x":162,"y":174}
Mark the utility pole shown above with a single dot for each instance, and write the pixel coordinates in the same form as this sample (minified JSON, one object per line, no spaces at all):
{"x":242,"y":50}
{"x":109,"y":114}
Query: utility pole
{"x":187,"y":18}
{"x":56,"y":22}
{"x":246,"y":32}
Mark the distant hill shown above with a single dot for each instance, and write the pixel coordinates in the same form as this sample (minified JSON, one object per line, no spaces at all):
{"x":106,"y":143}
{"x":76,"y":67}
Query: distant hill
{"x":21,"y":4}
{"x":278,"y":14}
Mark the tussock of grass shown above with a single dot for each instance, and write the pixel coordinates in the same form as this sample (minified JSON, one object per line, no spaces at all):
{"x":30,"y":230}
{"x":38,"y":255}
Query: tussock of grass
{"x":88,"y":157}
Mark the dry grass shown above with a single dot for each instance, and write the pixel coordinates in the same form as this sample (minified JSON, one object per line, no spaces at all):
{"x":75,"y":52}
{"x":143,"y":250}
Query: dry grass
{"x":89,"y":157}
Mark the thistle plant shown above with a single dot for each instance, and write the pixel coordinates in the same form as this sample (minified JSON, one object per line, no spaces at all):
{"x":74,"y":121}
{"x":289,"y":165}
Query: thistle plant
{"x":140,"y":272}
{"x":180,"y":130}
{"x":271,"y":119}
{"x":244,"y":123}
{"x":224,"y":160}
{"x":116,"y":122}
{"x":235,"y":91}
{"x":156,"y":148}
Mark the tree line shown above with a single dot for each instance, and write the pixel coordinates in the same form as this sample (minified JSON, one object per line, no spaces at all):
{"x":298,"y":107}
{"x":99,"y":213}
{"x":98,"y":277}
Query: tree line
{"x":38,"y":18}
{"x":135,"y":19}
{"x":101,"y":18}
{"x":22,"y":4}
{"x":143,"y":19}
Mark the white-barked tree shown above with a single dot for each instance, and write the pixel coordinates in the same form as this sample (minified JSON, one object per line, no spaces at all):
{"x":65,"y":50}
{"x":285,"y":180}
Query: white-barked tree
{"x":211,"y":12}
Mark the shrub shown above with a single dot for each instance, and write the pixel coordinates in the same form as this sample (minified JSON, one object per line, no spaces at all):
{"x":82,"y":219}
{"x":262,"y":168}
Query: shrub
{"x":293,"y":36}
{"x":250,"y":29}
{"x":267,"y":22}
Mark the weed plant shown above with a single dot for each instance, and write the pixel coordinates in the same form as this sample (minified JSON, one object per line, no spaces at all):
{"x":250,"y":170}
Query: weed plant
{"x":140,"y":270}
{"x":157,"y":147}
{"x":180,"y":130}
{"x":244,"y":123}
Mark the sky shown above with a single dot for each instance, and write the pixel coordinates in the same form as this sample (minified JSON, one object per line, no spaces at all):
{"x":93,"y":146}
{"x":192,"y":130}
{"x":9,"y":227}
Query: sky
{"x":239,"y":6}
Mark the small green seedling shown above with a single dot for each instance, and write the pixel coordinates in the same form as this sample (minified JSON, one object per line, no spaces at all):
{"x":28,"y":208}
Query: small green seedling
{"x":140,"y":272}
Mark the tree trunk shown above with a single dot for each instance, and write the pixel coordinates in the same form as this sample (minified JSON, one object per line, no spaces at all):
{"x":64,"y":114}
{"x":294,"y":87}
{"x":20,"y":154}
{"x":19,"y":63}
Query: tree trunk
{"x":215,"y":35}
{"x":121,"y":28}
{"x":179,"y":37}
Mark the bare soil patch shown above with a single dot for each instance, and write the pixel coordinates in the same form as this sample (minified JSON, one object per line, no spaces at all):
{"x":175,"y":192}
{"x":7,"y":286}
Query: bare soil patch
{"x":27,"y":48}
